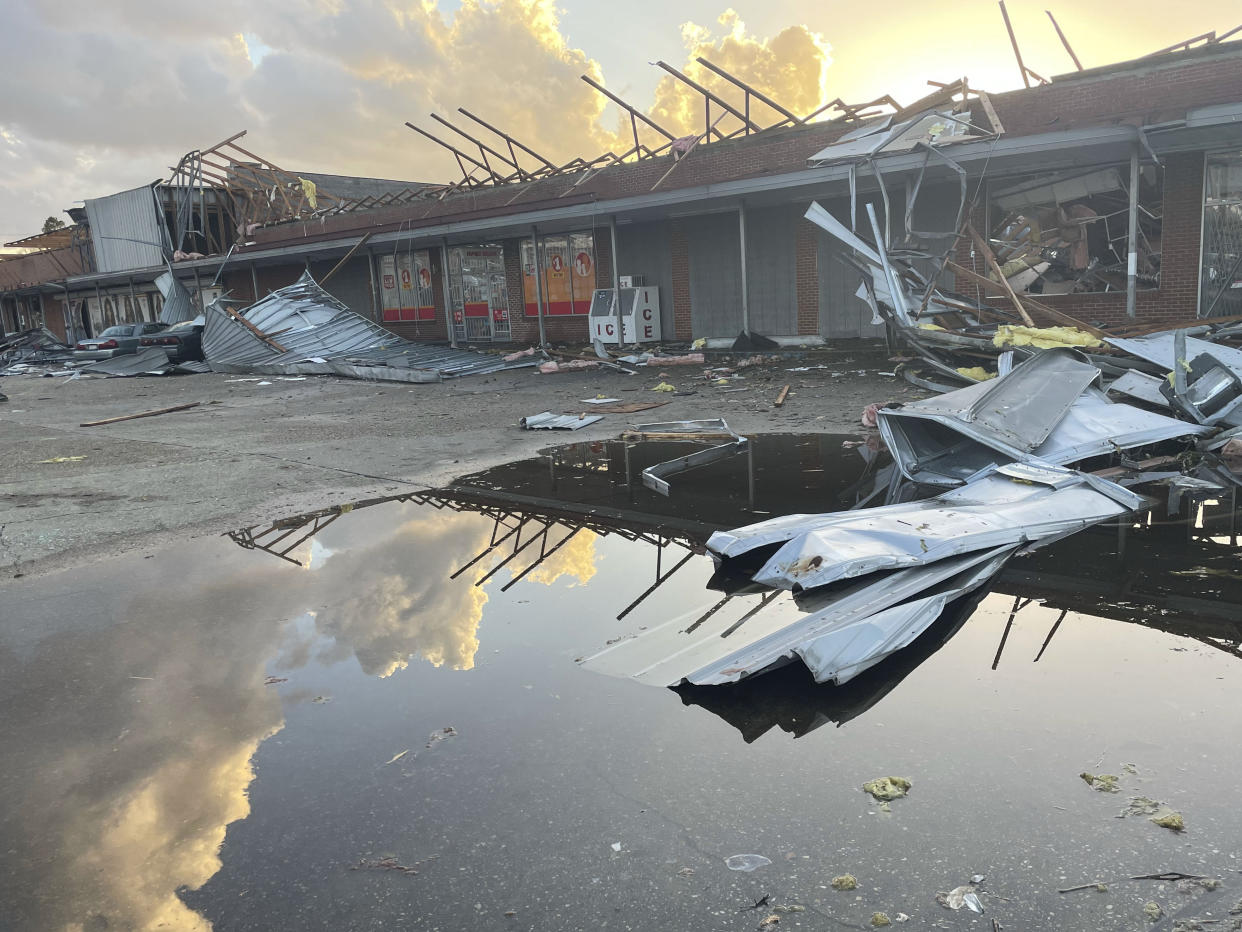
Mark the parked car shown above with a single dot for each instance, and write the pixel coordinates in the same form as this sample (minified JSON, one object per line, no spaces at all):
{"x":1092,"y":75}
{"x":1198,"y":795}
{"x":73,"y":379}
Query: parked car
{"x":182,"y":341}
{"x":115,"y":341}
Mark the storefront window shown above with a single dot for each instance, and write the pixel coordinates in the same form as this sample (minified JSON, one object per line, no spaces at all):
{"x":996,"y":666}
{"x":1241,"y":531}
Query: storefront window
{"x":1220,"y":294}
{"x":1068,"y":232}
{"x":568,"y":269}
{"x":406,"y":286}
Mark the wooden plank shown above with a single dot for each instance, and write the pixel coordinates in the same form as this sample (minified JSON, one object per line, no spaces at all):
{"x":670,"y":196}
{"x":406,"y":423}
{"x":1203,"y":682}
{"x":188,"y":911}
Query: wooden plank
{"x":986,"y":103}
{"x":253,"y":329}
{"x":982,"y":245}
{"x":349,"y":255}
{"x":1059,"y":316}
{"x":780,"y":399}
{"x":130,"y":417}
{"x":622,"y":407}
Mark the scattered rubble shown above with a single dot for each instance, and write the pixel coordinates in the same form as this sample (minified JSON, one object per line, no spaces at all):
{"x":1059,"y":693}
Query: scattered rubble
{"x":746,"y":862}
{"x":888,"y":788}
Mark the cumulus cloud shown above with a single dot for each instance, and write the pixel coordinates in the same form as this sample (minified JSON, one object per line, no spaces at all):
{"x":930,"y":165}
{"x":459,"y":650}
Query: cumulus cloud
{"x":575,"y":560}
{"x":128,"y":796}
{"x":401,"y":601}
{"x":132,"y":88}
{"x":790,"y":67}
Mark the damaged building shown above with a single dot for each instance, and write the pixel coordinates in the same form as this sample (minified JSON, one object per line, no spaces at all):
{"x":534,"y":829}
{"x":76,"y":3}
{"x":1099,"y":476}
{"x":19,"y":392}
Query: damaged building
{"x":1106,"y":196}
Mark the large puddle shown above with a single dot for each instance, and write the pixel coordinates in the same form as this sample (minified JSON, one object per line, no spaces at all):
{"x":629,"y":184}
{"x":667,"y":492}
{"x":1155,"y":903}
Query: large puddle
{"x":375,"y":718}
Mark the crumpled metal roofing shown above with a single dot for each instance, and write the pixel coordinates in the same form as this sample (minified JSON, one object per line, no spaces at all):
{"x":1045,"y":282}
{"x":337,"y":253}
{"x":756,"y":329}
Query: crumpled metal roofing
{"x":148,"y":359}
{"x":895,"y":570}
{"x":1046,"y":408}
{"x":549,"y":421}
{"x":178,"y":305}
{"x":321,"y":336}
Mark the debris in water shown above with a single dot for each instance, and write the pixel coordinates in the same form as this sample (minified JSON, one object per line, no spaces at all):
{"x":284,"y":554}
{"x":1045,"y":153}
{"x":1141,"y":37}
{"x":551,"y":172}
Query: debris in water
{"x":880,"y":919}
{"x":961,"y":896}
{"x":1170,"y":820}
{"x":845,"y":882}
{"x":761,"y":902}
{"x":791,"y":908}
{"x":1191,"y":884}
{"x":1156,"y":811}
{"x":390,"y":863}
{"x":1140,"y":805}
{"x":770,"y":921}
{"x":273,"y":680}
{"x":686,"y":872}
{"x":977,"y":878}
{"x":1152,"y":911}
{"x":63,"y":459}
{"x":448,"y":731}
{"x":616,"y":846}
{"x":322,"y":699}
{"x":886,"y":788}
{"x":396,"y":757}
{"x":1104,"y":782}
{"x":664,"y":387}
{"x":746,"y":862}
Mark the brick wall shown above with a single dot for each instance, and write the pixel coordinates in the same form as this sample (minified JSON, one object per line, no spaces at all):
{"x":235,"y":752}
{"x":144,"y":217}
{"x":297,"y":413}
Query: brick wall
{"x":806,"y":247}
{"x":1176,"y":298}
{"x":680,"y":255}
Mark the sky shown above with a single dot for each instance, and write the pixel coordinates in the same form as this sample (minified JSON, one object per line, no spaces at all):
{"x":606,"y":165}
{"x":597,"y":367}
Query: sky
{"x":98,"y":96}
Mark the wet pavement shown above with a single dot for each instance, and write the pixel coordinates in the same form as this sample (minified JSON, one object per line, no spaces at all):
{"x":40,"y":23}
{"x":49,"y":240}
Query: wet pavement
{"x":213,"y":737}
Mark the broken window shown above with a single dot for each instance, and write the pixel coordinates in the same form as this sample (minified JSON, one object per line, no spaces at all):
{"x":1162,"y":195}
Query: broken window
{"x":1220,"y":294}
{"x":1068,"y":232}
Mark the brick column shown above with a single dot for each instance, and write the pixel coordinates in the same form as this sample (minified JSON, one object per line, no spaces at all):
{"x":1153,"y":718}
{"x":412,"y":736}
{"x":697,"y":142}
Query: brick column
{"x":679,"y":250}
{"x":806,"y":250}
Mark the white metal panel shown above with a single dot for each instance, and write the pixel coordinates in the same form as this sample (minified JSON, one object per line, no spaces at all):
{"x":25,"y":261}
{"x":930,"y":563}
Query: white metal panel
{"x":127,"y":231}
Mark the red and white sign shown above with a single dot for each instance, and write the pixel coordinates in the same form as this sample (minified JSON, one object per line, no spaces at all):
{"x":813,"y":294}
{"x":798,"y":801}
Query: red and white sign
{"x":582,"y":265}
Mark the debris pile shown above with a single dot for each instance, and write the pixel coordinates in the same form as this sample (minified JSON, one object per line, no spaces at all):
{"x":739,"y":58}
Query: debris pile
{"x":301,"y":329}
{"x":979,"y":474}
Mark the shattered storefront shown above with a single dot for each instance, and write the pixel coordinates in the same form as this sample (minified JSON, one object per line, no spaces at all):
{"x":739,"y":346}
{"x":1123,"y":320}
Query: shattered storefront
{"x":1068,"y":232}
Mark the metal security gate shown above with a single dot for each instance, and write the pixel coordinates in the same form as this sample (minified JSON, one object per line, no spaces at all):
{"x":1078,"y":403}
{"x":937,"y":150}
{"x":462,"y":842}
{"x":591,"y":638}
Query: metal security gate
{"x":480,"y":294}
{"x":1220,"y":292}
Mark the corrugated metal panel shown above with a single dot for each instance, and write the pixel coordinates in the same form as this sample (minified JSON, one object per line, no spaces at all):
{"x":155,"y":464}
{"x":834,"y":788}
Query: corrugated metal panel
{"x":643,"y":250}
{"x":771,"y":270}
{"x":148,"y":359}
{"x":127,"y":231}
{"x":313,"y":325}
{"x":841,"y":313}
{"x":715,"y":275}
{"x":550,"y":421}
{"x":178,"y":305}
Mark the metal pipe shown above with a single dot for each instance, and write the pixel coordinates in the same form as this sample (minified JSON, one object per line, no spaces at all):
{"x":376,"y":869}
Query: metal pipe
{"x":1132,"y":249}
{"x":448,"y":291}
{"x":741,"y":235}
{"x":376,"y":313}
{"x":254,"y":281}
{"x":616,"y":284}
{"x":133,"y":300}
{"x":198,"y":288}
{"x":538,"y":270}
